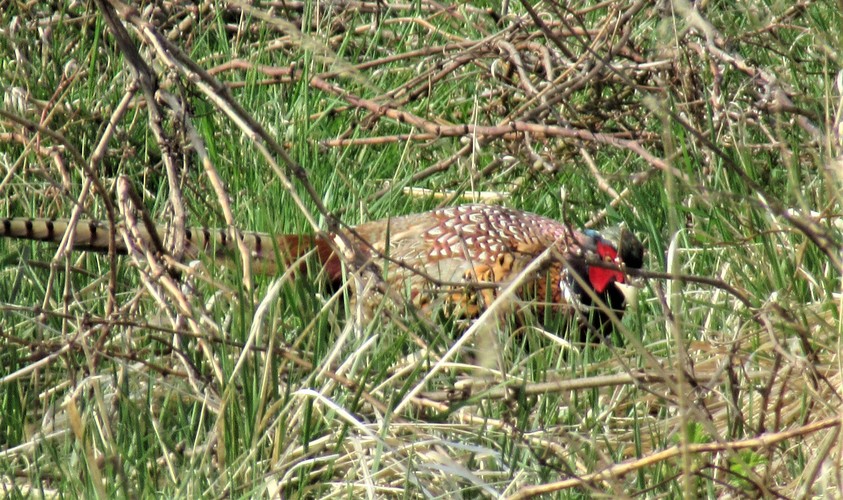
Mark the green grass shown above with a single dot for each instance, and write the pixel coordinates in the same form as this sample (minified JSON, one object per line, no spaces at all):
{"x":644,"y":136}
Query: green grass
{"x":153,"y":392}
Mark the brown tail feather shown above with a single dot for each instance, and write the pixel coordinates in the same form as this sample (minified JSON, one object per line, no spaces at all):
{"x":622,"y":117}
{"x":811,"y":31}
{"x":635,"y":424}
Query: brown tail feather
{"x":89,"y":235}
{"x":294,"y":246}
{"x":265,"y":249}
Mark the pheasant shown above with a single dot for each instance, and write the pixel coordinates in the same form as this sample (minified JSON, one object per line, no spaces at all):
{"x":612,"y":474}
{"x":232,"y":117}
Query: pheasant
{"x":458,"y":257}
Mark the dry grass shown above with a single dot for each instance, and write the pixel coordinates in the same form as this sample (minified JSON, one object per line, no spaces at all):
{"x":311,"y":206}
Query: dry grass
{"x":712,"y":130}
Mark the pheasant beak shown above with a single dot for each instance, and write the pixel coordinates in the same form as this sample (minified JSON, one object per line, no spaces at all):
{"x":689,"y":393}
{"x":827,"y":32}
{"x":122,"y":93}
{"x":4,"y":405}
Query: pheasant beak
{"x":630,"y":294}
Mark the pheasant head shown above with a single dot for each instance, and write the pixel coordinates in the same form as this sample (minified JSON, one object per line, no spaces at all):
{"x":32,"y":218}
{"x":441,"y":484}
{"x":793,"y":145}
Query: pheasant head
{"x":617,"y":246}
{"x":599,"y":263}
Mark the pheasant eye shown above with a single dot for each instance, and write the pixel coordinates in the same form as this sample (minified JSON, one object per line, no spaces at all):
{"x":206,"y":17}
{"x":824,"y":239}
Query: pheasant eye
{"x":606,"y":252}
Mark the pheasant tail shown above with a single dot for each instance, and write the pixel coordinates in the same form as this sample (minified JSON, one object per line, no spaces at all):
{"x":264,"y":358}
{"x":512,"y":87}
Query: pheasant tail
{"x":266,"y":250}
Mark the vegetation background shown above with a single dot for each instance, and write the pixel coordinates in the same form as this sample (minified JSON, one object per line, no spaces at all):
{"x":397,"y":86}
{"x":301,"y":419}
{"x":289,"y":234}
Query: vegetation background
{"x":712,"y":129}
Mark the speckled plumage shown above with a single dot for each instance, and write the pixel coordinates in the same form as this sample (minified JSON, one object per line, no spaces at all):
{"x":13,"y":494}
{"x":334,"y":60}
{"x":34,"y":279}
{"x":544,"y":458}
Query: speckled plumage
{"x":448,"y":242}
{"x":486,"y":243}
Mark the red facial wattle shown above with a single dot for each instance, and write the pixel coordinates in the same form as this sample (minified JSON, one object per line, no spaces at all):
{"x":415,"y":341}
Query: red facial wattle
{"x":600,"y":277}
